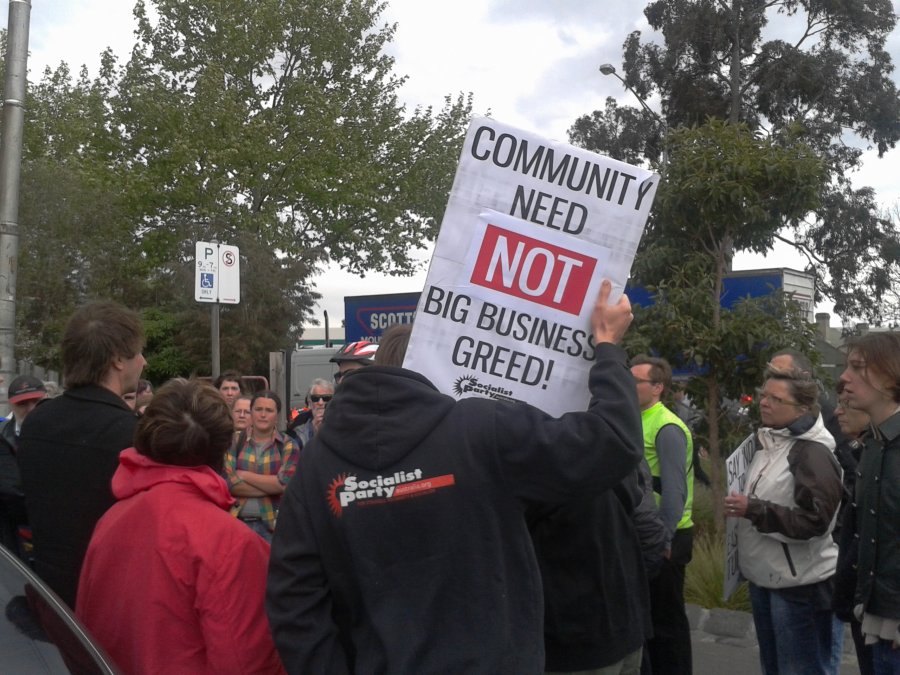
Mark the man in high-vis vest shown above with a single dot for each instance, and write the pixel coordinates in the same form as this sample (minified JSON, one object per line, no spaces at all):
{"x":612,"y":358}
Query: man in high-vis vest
{"x":668,"y":449}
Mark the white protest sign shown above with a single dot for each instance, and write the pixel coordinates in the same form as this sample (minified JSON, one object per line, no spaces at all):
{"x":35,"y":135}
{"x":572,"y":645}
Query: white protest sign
{"x":218,"y":273}
{"x":736,"y":474}
{"x":531,"y":229}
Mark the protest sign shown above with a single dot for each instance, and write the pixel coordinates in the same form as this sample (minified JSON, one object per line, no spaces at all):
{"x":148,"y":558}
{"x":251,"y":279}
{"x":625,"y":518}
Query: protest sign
{"x":531,"y":229}
{"x":736,"y":475}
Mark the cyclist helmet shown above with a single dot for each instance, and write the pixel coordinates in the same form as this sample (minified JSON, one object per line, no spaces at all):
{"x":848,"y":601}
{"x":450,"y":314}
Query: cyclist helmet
{"x":362,"y":352}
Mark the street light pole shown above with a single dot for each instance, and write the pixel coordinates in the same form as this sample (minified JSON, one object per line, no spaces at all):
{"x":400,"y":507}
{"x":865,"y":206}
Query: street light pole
{"x":610,"y":69}
{"x":10,"y":170}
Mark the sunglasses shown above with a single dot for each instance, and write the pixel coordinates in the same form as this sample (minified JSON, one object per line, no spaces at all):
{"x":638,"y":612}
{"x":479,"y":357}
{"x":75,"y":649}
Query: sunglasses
{"x":319,"y":398}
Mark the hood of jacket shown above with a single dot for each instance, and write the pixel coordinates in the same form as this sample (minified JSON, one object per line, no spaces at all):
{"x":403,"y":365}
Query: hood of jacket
{"x":379,"y":414}
{"x":138,"y":473}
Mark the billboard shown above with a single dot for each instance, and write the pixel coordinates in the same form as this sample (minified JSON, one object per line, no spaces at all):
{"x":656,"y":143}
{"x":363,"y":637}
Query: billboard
{"x":367,"y":316}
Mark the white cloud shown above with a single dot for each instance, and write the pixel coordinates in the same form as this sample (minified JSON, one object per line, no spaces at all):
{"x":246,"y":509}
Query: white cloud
{"x":532,"y":63}
{"x":78,"y":32}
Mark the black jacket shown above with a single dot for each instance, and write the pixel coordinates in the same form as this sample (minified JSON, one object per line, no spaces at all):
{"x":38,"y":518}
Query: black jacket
{"x":848,"y":453}
{"x":12,"y":499}
{"x":877,"y":509}
{"x":596,"y":597}
{"x":68,"y":451}
{"x":10,"y":481}
{"x":401,"y":544}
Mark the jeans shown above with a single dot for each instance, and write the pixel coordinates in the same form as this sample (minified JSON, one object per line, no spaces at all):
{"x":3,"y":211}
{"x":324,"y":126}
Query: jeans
{"x":793,"y":629}
{"x":885,"y":659}
{"x":837,"y":645}
{"x":260,"y":528}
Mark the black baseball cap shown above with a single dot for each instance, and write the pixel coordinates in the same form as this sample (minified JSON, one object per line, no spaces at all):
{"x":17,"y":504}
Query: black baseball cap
{"x":26,"y":387}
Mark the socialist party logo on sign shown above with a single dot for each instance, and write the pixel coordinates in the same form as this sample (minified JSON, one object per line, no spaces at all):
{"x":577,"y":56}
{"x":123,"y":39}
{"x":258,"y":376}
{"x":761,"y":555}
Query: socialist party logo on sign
{"x":533,"y":270}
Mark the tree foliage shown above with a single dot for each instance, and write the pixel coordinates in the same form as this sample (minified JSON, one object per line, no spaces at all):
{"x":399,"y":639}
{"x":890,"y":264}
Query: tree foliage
{"x":282,"y":119}
{"x":724,"y":186}
{"x":766,"y":108}
{"x":275,"y":126}
{"x":791,"y":70}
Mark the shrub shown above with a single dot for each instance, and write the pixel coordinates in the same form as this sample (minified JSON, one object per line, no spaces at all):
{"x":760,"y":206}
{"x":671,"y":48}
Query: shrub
{"x":702,"y":512}
{"x":706,"y":573}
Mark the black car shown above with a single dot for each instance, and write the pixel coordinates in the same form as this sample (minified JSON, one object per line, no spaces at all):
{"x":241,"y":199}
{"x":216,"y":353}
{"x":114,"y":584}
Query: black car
{"x":38,"y":633}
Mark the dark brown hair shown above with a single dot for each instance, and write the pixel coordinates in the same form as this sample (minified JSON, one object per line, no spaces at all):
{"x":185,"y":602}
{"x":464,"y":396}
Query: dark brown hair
{"x":660,"y":370}
{"x":95,"y":335}
{"x":266,"y":393}
{"x":229,"y":376}
{"x":881,"y":352}
{"x":187,"y":423}
{"x":393,"y":344}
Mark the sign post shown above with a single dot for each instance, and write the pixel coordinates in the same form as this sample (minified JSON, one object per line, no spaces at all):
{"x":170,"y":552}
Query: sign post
{"x":218,"y":280}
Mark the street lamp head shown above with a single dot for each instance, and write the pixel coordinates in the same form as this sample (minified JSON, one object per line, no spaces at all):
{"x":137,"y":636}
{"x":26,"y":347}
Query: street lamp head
{"x":607,"y":69}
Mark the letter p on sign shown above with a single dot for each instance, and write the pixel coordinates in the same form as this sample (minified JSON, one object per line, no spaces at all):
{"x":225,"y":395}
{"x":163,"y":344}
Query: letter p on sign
{"x":533,"y":270}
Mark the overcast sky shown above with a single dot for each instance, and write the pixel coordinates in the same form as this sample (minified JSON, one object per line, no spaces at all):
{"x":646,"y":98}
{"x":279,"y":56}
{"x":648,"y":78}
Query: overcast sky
{"x":531,"y":63}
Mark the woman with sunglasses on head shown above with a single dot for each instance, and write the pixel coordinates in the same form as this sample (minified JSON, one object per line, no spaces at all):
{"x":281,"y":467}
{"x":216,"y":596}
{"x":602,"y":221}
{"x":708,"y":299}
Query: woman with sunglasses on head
{"x":787,"y":512}
{"x":260,"y":464}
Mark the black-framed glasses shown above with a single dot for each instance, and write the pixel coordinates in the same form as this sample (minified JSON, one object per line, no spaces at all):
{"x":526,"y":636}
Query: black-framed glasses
{"x":642,"y":379}
{"x":320,"y":398}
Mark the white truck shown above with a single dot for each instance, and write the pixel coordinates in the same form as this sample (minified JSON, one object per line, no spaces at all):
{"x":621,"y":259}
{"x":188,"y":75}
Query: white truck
{"x":291,"y":371}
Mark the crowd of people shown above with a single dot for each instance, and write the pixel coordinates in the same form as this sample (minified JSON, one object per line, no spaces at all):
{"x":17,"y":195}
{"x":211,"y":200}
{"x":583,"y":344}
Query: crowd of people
{"x":391,"y":528}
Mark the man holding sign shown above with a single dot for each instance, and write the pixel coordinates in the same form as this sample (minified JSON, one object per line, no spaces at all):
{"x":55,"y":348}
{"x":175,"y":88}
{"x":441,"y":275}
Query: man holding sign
{"x":401,"y":543}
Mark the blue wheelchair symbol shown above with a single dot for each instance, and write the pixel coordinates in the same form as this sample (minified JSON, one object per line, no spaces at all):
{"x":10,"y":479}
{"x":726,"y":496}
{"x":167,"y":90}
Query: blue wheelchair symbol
{"x":206,"y":279}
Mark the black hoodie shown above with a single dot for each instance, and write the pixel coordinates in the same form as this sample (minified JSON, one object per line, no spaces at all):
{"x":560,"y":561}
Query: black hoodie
{"x":401,"y":544}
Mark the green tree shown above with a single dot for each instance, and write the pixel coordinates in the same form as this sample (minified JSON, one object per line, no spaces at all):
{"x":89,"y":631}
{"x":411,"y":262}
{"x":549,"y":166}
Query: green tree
{"x":787,"y":69}
{"x":759,"y":153}
{"x":77,"y":239}
{"x":725,"y":186}
{"x":274,"y":126}
{"x":725,"y":360}
{"x":277,"y":124}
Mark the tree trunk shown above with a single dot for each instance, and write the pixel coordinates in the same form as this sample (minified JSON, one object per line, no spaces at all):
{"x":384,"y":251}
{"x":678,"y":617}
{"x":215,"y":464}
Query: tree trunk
{"x":734,"y":114}
{"x":713,"y":402}
{"x":715,"y":453}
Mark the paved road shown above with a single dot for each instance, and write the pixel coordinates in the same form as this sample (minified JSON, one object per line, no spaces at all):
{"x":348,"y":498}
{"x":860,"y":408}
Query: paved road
{"x":724,"y":643}
{"x":714,"y":655}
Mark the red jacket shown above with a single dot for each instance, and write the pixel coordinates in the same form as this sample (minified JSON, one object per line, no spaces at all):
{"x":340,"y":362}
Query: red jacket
{"x":171,"y":582}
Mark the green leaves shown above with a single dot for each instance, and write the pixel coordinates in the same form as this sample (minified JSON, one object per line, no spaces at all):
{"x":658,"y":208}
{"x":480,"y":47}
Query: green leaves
{"x":800,"y":82}
{"x":274,"y":126}
{"x":723,"y":181}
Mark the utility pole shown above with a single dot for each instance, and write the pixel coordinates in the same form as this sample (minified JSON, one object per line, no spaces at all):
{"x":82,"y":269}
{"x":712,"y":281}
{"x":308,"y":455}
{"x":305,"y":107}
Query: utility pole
{"x":10,"y":171}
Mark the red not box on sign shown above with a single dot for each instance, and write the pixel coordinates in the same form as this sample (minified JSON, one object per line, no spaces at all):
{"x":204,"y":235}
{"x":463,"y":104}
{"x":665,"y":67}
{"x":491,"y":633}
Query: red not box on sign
{"x":532,"y":269}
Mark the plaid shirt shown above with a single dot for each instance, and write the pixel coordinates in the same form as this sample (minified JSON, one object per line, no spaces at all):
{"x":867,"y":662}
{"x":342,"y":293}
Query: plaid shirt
{"x":276,"y":458}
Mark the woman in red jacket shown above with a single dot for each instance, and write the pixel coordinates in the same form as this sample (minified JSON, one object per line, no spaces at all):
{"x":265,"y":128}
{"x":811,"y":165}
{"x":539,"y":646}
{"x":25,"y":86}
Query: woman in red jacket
{"x":171,"y":582}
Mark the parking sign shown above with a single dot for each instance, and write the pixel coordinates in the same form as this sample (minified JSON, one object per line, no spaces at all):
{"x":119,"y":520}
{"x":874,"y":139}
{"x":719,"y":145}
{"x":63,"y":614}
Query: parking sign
{"x":218,"y":273}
